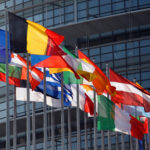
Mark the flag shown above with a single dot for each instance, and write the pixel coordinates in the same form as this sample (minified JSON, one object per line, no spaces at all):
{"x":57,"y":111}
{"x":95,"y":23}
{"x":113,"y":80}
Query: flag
{"x":136,"y":110}
{"x":30,"y":37}
{"x":53,"y":88}
{"x":127,"y":93}
{"x":3,"y":47}
{"x":85,"y":103}
{"x":57,"y":62}
{"x":14,"y":74}
{"x":100,"y":82}
{"x":35,"y":75}
{"x":35,"y":96}
{"x":111,"y":117}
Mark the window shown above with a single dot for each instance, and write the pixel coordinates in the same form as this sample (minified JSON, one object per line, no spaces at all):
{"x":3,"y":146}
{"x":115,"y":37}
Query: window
{"x":106,"y":49}
{"x":119,"y":47}
{"x":94,"y":51}
{"x":118,"y":55}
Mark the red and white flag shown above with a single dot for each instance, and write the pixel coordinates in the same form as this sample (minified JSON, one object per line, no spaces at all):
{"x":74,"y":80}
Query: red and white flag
{"x":35,"y":75}
{"x":128,"y":93}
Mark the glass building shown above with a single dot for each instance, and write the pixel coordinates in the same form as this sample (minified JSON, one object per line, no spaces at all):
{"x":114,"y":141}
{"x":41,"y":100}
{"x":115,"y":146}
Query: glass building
{"x":113,"y":32}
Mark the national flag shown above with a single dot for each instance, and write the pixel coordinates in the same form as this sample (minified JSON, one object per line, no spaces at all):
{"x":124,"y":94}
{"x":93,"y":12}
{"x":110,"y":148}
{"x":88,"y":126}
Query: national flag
{"x":35,"y":96}
{"x":85,"y":103}
{"x":30,"y":37}
{"x":35,"y":75}
{"x":111,"y":117}
{"x":3,"y":47}
{"x":136,"y":110}
{"x":53,"y":88}
{"x":127,"y":93}
{"x":100,"y":82}
{"x":57,"y":62}
{"x":14,"y":74}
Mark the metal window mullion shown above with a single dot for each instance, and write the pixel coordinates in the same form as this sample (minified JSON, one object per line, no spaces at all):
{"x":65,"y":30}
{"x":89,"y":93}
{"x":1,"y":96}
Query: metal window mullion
{"x":45,"y":113}
{"x":62,"y":114}
{"x":7,"y":85}
{"x":28,"y":106}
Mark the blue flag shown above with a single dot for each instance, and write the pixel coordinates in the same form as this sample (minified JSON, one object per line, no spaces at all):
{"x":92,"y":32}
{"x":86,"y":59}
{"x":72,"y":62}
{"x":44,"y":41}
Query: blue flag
{"x":53,"y":88}
{"x":3,"y":47}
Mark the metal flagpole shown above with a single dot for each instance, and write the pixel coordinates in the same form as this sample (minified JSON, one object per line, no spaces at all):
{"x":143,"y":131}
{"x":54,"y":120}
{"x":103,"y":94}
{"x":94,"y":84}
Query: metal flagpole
{"x":136,"y":141}
{"x":33,"y":126}
{"x":69,"y":129}
{"x":7,"y":85}
{"x":116,"y":133}
{"x":78,"y":114}
{"x":95,"y":122}
{"x":33,"y":117}
{"x":85,"y":128}
{"x":15,"y":123}
{"x":28,"y":106}
{"x":52,"y":129}
{"x":62,"y":114}
{"x":109,"y":137}
{"x":45,"y":113}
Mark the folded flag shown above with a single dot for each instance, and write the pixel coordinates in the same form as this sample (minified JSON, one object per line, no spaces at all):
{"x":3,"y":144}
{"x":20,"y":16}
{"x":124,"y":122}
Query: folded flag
{"x":100,"y":82}
{"x":35,"y":75}
{"x":127,"y":93}
{"x":30,"y":37}
{"x":111,"y":117}
{"x":14,"y":74}
{"x":3,"y":47}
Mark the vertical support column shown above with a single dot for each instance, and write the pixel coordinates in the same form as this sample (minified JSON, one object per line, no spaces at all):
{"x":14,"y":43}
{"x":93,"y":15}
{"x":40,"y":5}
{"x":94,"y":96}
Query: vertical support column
{"x":28,"y":106}
{"x":85,"y":128}
{"x":69,"y":129}
{"x":117,"y":148}
{"x":109,"y":137}
{"x":62,"y":114}
{"x":33,"y":126}
{"x":7,"y":86}
{"x":15,"y":123}
{"x":45,"y":113}
{"x":52,"y":129}
{"x":95,"y":122}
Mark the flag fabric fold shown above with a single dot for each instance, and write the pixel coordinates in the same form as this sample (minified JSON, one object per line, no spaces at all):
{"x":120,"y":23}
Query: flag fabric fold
{"x":14,"y":74}
{"x":111,"y":117}
{"x":100,"y":82}
{"x":127,"y":93}
{"x":35,"y":75}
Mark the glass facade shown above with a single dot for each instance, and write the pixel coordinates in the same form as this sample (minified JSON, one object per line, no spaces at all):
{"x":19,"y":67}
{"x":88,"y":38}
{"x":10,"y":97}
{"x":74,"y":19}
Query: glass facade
{"x":126,"y":50}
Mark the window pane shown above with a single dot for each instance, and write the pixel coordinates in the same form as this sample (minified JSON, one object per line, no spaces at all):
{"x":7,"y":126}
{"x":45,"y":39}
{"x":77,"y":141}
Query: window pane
{"x":106,"y":49}
{"x":118,"y":55}
{"x":119,"y":47}
{"x":94,"y":51}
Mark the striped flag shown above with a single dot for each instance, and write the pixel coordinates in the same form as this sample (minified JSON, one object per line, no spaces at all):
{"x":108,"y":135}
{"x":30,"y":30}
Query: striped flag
{"x":127,"y":93}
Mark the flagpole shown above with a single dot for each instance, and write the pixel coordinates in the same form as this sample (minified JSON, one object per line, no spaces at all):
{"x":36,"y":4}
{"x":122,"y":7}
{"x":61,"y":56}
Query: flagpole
{"x":33,"y":126}
{"x":85,"y":128}
{"x":95,"y":122}
{"x":109,"y":137}
{"x":14,"y":123}
{"x":78,"y":114}
{"x":52,"y":129}
{"x":69,"y":129}
{"x":136,"y":141}
{"x":28,"y":106}
{"x":45,"y":113}
{"x":62,"y":113}
{"x":7,"y":85}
